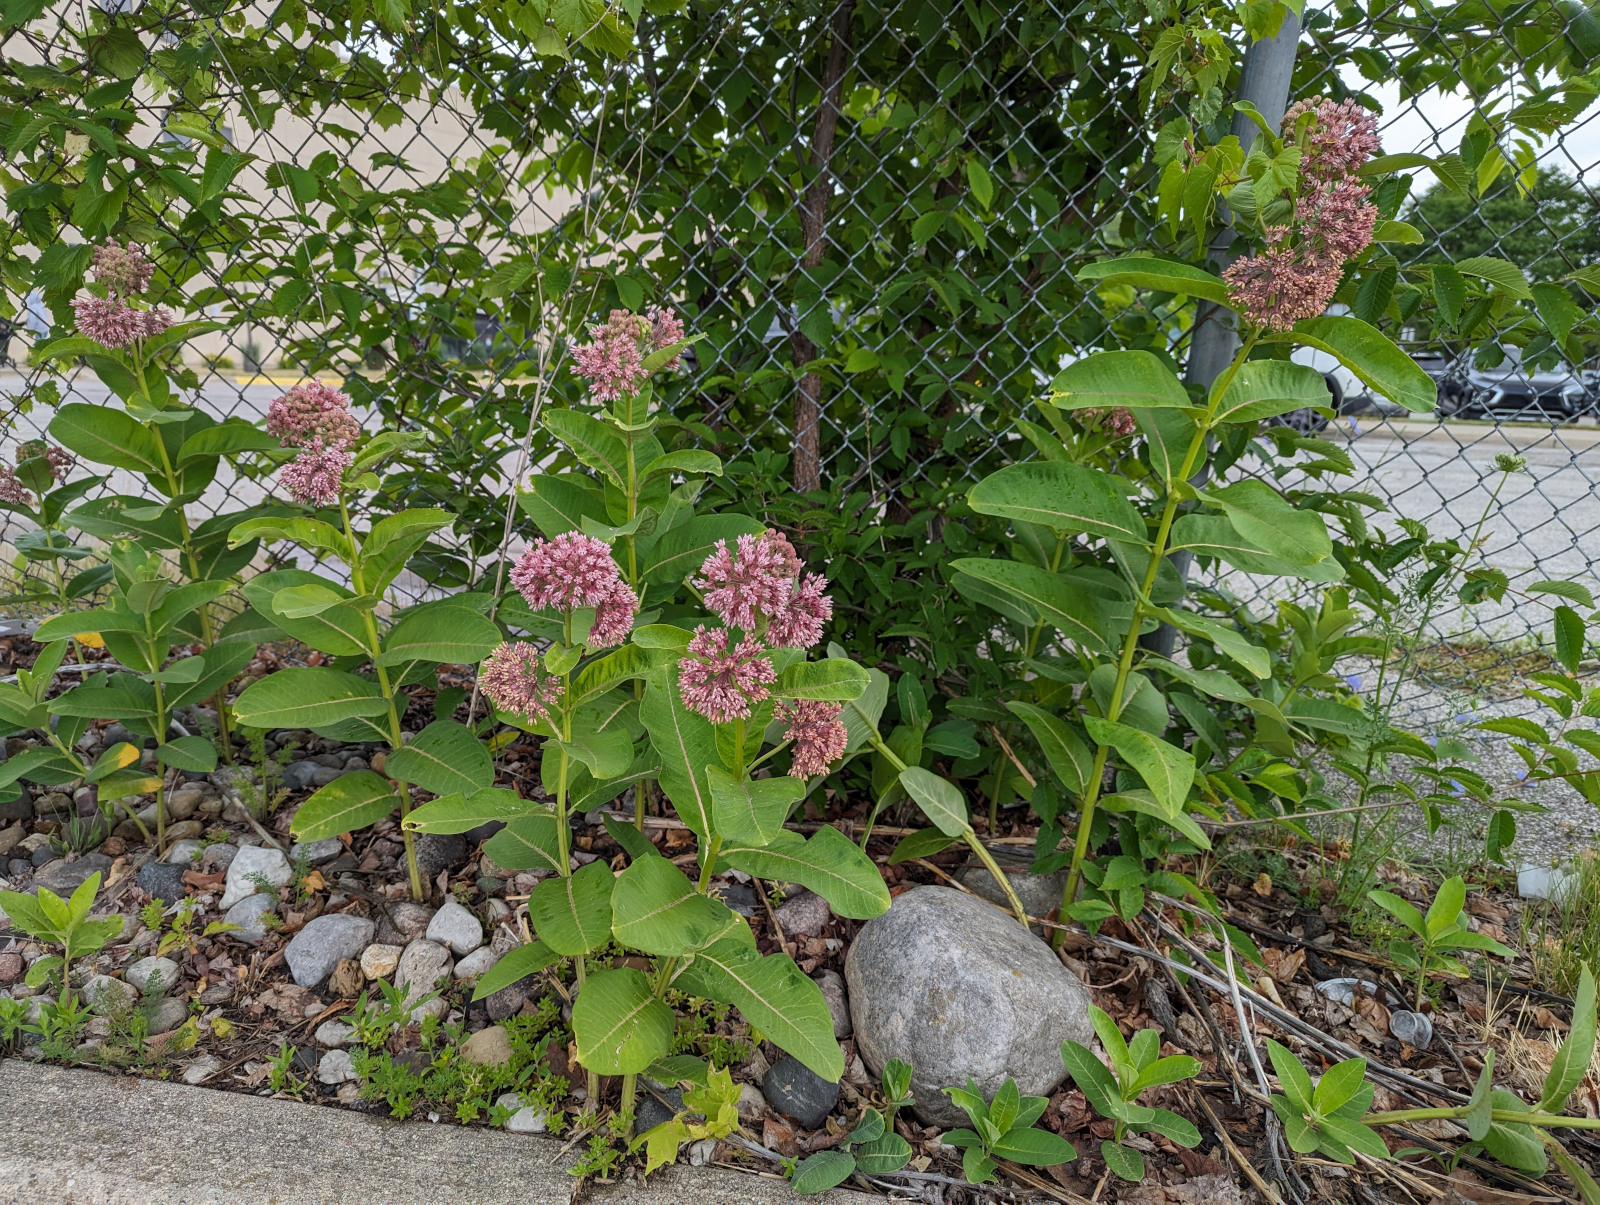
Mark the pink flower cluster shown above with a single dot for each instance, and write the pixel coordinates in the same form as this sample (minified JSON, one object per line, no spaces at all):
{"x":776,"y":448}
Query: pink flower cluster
{"x":1343,"y":137}
{"x":513,"y":680}
{"x":115,"y":324}
{"x":58,"y":459}
{"x":574,"y":570}
{"x":112,"y":321}
{"x":761,"y":588}
{"x":723,"y":683}
{"x":316,"y":419}
{"x":12,"y":490}
{"x":1115,"y":421}
{"x":313,"y":413}
{"x":818,"y":734}
{"x":1298,"y":274}
{"x":614,"y":362}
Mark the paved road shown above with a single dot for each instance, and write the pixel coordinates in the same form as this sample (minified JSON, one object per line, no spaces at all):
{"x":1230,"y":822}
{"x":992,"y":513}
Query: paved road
{"x":1544,"y":523}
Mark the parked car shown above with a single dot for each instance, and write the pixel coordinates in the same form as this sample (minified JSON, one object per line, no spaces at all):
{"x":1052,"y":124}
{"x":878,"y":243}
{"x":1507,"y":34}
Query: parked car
{"x":1349,"y":392}
{"x":1509,"y":391}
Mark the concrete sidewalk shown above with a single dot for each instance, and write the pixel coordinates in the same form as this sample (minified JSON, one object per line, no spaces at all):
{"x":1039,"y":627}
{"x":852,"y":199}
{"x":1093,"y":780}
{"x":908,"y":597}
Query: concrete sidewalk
{"x":73,"y":1137}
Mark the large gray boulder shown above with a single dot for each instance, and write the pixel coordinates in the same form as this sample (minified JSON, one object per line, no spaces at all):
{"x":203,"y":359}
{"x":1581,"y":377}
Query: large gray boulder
{"x":955,"y":987}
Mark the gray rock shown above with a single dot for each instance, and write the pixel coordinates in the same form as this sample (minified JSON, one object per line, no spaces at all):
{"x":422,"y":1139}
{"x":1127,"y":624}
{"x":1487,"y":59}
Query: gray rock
{"x":508,"y":1000}
{"x":53,"y":805}
{"x":653,"y":1110}
{"x":422,"y":966}
{"x":956,"y":988}
{"x":20,"y":808}
{"x":804,"y":915}
{"x":335,"y":1067}
{"x":118,"y":733}
{"x":798,"y":1092}
{"x":248,"y":914}
{"x":325,"y":775}
{"x":832,"y":985}
{"x":476,"y":963}
{"x":524,"y":1119}
{"x":202,"y":1069}
{"x":1040,"y":893}
{"x":439,"y":851}
{"x":185,"y":801}
{"x":334,"y":1034}
{"x":317,"y":949}
{"x":1414,"y":1029}
{"x":218,"y":857}
{"x":455,"y":927}
{"x":297,"y":775}
{"x":185,"y":853}
{"x":167,"y":1015}
{"x":107,"y":996}
{"x":316,"y":853}
{"x":251,"y":866}
{"x":162,"y":881}
{"x":752,"y":1105}
{"x":43,"y":856}
{"x":401,"y":924}
{"x":64,"y":877}
{"x":152,"y":976}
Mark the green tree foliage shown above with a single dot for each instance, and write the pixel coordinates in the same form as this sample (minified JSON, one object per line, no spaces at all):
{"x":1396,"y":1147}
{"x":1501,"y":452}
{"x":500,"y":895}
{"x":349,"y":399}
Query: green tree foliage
{"x":1549,"y":230}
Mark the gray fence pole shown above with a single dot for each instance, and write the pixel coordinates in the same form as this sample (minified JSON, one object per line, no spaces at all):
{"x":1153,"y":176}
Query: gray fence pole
{"x":1264,"y":82}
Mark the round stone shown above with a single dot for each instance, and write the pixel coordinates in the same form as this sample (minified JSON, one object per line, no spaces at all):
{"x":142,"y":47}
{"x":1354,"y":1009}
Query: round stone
{"x":955,"y":987}
{"x":317,"y":949}
{"x":378,"y":961}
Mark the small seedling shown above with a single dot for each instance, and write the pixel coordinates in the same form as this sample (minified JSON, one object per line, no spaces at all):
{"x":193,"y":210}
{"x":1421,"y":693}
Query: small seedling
{"x":711,"y":1110}
{"x":1004,"y":1129}
{"x":1136,"y":1066}
{"x":878,"y":1150}
{"x":63,"y":922}
{"x":1440,"y":930}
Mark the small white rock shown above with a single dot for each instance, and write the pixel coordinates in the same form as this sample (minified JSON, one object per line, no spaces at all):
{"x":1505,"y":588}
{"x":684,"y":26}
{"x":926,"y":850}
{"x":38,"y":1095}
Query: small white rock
{"x":108,"y":996}
{"x":476,"y":963}
{"x":156,"y":976}
{"x":335,"y":1067}
{"x":202,"y":1069}
{"x":524,"y":1119}
{"x":334,"y":1034}
{"x":185,"y":852}
{"x":455,"y":927}
{"x":250,"y":865}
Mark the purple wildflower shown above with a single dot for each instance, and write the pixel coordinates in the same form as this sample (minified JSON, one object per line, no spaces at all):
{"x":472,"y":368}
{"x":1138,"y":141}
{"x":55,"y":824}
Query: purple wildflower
{"x":571,"y":571}
{"x":313,"y":414}
{"x":315,"y":477}
{"x":1341,"y":139}
{"x":614,"y":362}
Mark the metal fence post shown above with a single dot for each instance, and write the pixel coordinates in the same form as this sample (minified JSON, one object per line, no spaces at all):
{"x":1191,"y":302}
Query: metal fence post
{"x":1264,"y":82}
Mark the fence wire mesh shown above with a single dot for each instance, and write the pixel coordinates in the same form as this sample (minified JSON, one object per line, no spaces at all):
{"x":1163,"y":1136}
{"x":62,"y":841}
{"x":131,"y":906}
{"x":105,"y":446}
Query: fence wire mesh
{"x":874,"y":210}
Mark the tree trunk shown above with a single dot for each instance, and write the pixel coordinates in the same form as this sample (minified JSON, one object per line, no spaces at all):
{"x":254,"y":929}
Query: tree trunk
{"x":813,"y":223}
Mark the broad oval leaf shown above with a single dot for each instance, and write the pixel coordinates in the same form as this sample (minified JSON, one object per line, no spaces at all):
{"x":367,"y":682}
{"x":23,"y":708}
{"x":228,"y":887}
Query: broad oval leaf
{"x":1066,"y":752}
{"x":1166,"y":769}
{"x":459,"y":813}
{"x":1268,"y":520}
{"x":572,"y":913}
{"x":1137,"y":380}
{"x":774,"y":995}
{"x":347,"y":804}
{"x":308,"y":698}
{"x":681,"y":550}
{"x":1268,"y":388}
{"x":752,"y":809}
{"x":831,"y":680}
{"x":1163,"y":275}
{"x":1076,"y":614}
{"x":1216,"y":536}
{"x":687,"y":745}
{"x":618,"y":1024}
{"x":517,"y":964}
{"x":655,"y":908}
{"x":443,"y":759}
{"x":449,"y":634}
{"x":941,"y":801}
{"x":1372,"y":356}
{"x":107,"y":436}
{"x":527,"y":843}
{"x":822,"y":1171}
{"x":1062,"y":496}
{"x":829,"y":863}
{"x":1573,"y":1059}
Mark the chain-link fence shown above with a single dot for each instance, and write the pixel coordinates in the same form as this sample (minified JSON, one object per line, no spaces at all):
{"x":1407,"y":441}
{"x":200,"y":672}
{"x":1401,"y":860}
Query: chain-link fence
{"x":874,"y":211}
